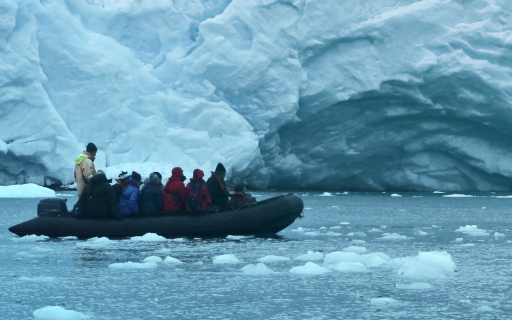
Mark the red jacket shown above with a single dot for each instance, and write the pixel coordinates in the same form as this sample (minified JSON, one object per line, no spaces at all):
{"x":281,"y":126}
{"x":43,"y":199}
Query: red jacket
{"x":175,"y":193}
{"x":205,"y":200}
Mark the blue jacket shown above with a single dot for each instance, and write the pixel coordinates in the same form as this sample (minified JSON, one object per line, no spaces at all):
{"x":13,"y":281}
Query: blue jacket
{"x":128,"y":203}
{"x":151,"y":200}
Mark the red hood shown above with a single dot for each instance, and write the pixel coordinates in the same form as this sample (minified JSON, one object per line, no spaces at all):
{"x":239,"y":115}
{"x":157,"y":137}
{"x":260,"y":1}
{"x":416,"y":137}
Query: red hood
{"x":198,"y":174}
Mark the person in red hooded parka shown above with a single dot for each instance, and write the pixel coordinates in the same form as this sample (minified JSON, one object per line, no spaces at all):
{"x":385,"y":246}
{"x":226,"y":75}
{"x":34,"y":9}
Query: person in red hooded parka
{"x":175,"y":193}
{"x":198,"y":197}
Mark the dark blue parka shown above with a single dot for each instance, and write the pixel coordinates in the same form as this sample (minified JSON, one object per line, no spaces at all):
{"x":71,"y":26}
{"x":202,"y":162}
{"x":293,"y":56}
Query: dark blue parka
{"x":151,"y":200}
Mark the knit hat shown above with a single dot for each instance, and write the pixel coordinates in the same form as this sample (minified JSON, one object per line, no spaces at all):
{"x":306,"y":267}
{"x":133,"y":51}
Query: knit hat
{"x":220,"y":168}
{"x":239,"y":187}
{"x":158,"y":174}
{"x":153,"y":177}
{"x":124,"y":175}
{"x":136,"y":176}
{"x":91,"y":147}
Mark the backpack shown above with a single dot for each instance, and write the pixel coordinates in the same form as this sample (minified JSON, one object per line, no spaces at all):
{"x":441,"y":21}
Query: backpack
{"x":193,"y":201}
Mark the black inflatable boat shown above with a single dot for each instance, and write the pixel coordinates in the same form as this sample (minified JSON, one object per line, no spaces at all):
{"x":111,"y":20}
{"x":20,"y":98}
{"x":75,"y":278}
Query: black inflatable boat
{"x":264,"y":217}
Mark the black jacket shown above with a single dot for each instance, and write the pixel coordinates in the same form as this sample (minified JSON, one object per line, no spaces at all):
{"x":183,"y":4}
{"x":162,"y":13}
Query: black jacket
{"x":151,"y":201}
{"x":98,"y":198}
{"x":118,"y":191}
{"x":218,"y":192}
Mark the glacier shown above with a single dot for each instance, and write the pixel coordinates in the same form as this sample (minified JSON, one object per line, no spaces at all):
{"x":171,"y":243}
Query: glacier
{"x":334,"y":95}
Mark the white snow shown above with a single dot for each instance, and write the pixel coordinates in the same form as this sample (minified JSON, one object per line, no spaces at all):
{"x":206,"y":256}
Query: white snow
{"x":31,"y":237}
{"x":355,"y":249}
{"x":414,"y":286}
{"x":272,"y":258}
{"x":310,"y":268}
{"x":153,"y":259}
{"x":226,"y":259}
{"x":58,"y":313}
{"x":133,"y":265}
{"x":172,"y":260}
{"x":473,"y":230}
{"x":28,"y":190}
{"x":420,"y":233}
{"x":149,"y":237}
{"x":259,"y":268}
{"x":393,"y":236}
{"x":433,"y":264}
{"x":458,"y":196}
{"x":310,"y":256}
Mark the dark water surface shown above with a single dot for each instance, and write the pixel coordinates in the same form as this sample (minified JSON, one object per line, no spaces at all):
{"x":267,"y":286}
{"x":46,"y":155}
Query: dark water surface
{"x":75,"y":274}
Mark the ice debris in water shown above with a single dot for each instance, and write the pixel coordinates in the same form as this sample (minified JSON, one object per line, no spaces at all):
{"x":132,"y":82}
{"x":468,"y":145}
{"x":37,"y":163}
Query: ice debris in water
{"x":172,"y":260}
{"x":473,"y":231}
{"x":414,"y":286}
{"x":299,"y":229}
{"x":458,"y":240}
{"x":345,"y":192}
{"x":133,"y":265}
{"x":153,"y":259}
{"x":356,"y":234}
{"x":69,"y":238}
{"x":326,"y":194}
{"x":374,"y":230}
{"x":498,"y":235}
{"x":420,"y":233}
{"x":29,"y":190}
{"x":458,"y":196}
{"x":393,"y":236}
{"x":164,"y":250}
{"x":238,"y":237}
{"x":344,"y":222}
{"x":383,"y":301}
{"x":438,"y":192}
{"x":149,"y":237}
{"x":259,"y":268}
{"x":31,"y":237}
{"x":485,"y":309}
{"x":310,"y":256}
{"x":433,"y":264}
{"x":355,"y":249}
{"x":58,"y":313}
{"x":467,"y":245}
{"x":369,"y":260}
{"x":95,"y":242}
{"x":396,"y":195}
{"x":335,"y":227}
{"x":309,"y":268}
{"x":348,"y":267}
{"x":328,"y":233}
{"x":272,"y":258}
{"x":356,"y":241}
{"x":226,"y":259}
{"x":38,"y":279}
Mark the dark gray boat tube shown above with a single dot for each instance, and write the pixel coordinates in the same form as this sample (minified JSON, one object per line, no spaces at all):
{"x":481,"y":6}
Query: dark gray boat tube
{"x":264,"y":217}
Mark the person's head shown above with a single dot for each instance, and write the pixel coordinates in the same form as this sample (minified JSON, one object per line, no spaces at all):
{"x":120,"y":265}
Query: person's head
{"x":154,"y":178}
{"x":92,"y":149}
{"x":220,"y":171}
{"x":136,"y":177}
{"x":124,"y":176}
{"x":158,"y":174}
{"x":198,"y":174}
{"x":240,"y":187}
{"x":98,"y":172}
{"x":177,"y":173}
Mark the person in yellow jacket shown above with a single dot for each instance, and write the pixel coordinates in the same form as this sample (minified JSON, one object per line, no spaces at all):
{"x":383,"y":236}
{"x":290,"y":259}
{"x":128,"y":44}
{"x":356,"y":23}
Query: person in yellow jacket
{"x":84,"y":167}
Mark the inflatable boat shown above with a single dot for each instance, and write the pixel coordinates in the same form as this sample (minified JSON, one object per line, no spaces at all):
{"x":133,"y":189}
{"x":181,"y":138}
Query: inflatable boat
{"x":264,"y":217}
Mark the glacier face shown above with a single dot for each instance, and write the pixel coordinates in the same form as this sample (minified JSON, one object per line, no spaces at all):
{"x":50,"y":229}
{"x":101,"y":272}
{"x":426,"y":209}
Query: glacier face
{"x":354,"y":95}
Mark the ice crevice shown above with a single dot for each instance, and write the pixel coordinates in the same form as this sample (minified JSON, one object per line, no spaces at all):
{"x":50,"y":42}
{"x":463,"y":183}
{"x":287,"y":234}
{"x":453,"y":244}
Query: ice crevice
{"x":331,"y":95}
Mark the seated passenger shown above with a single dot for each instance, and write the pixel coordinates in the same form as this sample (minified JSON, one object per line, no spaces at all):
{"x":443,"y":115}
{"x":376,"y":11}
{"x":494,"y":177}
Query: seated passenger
{"x":241,"y":197}
{"x":98,"y":199}
{"x":198,"y":197}
{"x":175,"y":193}
{"x":122,"y":182}
{"x":151,"y":201}
{"x":146,"y":181}
{"x":217,"y":188}
{"x":128,"y":205}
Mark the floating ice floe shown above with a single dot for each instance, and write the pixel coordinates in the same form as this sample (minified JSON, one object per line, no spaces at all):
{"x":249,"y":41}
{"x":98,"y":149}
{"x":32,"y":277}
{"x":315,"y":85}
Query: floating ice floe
{"x":172,"y":260}
{"x":95,"y":242}
{"x":345,"y":192}
{"x":272,"y":258}
{"x":396,"y":195}
{"x":58,"y":313}
{"x":374,"y":230}
{"x":335,"y":206}
{"x":238,"y":237}
{"x":414,"y":286}
{"x":383,"y":301}
{"x":498,"y":235}
{"x":325,"y":194}
{"x":149,"y":237}
{"x":348,"y":267}
{"x":420,"y":233}
{"x":458,"y":196}
{"x":484,"y":309}
{"x":310,"y":256}
{"x":344,"y":222}
{"x":28,"y":190}
{"x":433,"y":264}
{"x":356,"y":241}
{"x":153,"y":259}
{"x":307,"y":208}
{"x":355,"y":249}
{"x":164,"y":250}
{"x":309,"y":268}
{"x":259,"y":268}
{"x":299,"y":229}
{"x":226,"y":259}
{"x":458,"y":240}
{"x":502,"y":197}
{"x":369,"y":260}
{"x":393,"y":236}
{"x":133,"y":265}
{"x":328,"y":234}
{"x":335,"y":227}
{"x":31,"y":237}
{"x":467,"y":245}
{"x":38,"y":279}
{"x":356,"y":234}
{"x":69,"y":238}
{"x":473,"y":231}
{"x":438,"y":192}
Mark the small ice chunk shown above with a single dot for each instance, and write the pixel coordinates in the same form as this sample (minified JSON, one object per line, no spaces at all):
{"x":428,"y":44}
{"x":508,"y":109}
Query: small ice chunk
{"x":473,"y":231}
{"x":498,"y":235}
{"x":69,"y":238}
{"x":309,"y":268}
{"x":393,"y":236}
{"x":355,"y":241}
{"x":420,"y":233}
{"x":374,"y":230}
{"x":226,"y":259}
{"x":348,"y":267}
{"x":414,"y":286}
{"x":396,"y":195}
{"x":326,"y":194}
{"x":57,"y":313}
{"x":484,"y":309}
{"x":335,"y":206}
{"x":199,"y":263}
{"x":259,"y":268}
{"x":299,"y":229}
{"x":149,"y":237}
{"x":307,"y":208}
{"x":438,"y":192}
{"x":458,"y":196}
{"x":172,"y":260}
{"x":174,"y":240}
{"x":37,"y":279}
{"x":271,"y":258}
{"x":344,"y":222}
{"x":133,"y":265}
{"x":356,"y":234}
{"x":29,"y":190}
{"x":355,"y":249}
{"x":467,"y":245}
{"x":459,"y":240}
{"x":310,"y":256}
{"x":433,"y":264}
{"x":164,"y":250}
{"x":383,"y":301}
{"x":153,"y":259}
{"x":345,"y":192}
{"x":32,"y":237}
{"x":95,"y":242}
{"x":323,"y":228}
{"x":237,"y":237}
{"x":335,"y":227}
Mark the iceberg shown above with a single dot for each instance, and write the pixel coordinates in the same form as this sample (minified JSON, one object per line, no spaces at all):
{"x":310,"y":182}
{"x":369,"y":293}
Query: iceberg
{"x":407,"y":95}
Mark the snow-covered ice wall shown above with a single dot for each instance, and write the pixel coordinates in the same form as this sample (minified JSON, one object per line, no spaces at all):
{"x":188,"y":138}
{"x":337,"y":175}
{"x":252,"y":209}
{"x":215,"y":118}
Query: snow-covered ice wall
{"x":329,"y":94}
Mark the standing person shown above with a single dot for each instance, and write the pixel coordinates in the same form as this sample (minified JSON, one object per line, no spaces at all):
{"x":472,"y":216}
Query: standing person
{"x":84,"y":167}
{"x":241,"y":197}
{"x":217,"y":187}
{"x":122,"y":182}
{"x":151,"y":200}
{"x":128,"y":205}
{"x":198,"y":197}
{"x":175,"y":193}
{"x":98,"y":199}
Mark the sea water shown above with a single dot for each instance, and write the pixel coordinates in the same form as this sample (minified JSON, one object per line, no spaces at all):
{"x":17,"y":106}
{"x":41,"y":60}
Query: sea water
{"x":352,"y":256}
